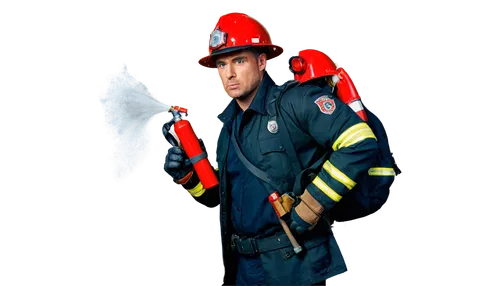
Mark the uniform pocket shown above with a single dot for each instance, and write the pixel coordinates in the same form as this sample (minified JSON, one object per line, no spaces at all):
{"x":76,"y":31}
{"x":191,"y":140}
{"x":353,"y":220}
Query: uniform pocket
{"x":274,"y":159}
{"x":318,"y":257}
{"x":270,"y":145}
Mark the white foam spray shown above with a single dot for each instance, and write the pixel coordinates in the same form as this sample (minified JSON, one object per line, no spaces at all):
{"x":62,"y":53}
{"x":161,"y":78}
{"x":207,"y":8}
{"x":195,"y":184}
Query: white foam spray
{"x":128,"y":106}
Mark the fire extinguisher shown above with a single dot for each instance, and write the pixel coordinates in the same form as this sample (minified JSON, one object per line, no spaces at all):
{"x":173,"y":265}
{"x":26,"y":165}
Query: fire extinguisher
{"x":191,"y":145}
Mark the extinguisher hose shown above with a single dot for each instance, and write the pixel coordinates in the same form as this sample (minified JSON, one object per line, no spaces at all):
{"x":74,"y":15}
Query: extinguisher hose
{"x":170,"y":138}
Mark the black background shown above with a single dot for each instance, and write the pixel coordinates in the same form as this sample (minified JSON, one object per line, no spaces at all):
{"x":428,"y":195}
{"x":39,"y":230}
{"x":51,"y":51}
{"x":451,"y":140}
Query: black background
{"x":148,"y":228}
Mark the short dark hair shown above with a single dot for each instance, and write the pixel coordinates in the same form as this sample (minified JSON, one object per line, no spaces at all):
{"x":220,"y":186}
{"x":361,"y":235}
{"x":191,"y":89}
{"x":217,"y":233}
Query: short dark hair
{"x":256,"y":51}
{"x":259,"y":50}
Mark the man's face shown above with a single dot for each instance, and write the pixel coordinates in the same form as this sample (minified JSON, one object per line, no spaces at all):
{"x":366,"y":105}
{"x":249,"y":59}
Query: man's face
{"x":241,"y":73}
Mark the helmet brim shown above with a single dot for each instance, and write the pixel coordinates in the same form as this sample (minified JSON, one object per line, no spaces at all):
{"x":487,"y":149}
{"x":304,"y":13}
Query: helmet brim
{"x":209,"y":61}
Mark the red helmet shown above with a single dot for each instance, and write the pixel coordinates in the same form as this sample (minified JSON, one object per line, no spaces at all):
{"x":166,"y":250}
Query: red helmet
{"x":237,"y":31}
{"x":311,"y":64}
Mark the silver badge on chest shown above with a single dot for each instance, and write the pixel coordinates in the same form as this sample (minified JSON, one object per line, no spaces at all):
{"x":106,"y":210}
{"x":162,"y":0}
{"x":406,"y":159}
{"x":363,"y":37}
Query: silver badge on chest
{"x":272,"y":126}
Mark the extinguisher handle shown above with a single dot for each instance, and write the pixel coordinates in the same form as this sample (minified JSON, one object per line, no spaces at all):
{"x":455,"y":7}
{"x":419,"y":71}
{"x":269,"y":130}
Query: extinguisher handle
{"x":170,"y":138}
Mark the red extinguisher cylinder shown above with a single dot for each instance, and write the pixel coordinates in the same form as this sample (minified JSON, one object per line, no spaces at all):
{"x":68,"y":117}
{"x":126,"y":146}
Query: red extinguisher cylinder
{"x":191,"y":145}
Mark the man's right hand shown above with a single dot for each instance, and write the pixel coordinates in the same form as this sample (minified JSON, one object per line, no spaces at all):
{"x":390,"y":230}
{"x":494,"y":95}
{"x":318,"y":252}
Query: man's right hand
{"x":175,"y":163}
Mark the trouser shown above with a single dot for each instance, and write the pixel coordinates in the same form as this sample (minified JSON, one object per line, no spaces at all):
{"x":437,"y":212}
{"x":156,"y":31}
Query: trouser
{"x":250,"y":272}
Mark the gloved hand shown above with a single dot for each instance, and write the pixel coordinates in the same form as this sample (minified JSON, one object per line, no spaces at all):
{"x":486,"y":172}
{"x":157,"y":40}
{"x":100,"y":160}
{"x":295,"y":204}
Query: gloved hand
{"x":306,"y":214}
{"x":174,"y":163}
{"x":177,"y":164}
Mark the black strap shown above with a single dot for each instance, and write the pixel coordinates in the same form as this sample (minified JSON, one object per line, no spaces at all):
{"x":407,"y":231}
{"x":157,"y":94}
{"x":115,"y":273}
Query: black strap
{"x":250,"y":246}
{"x":197,"y":158}
{"x":273,"y":109}
{"x":302,"y":176}
{"x":251,"y":167}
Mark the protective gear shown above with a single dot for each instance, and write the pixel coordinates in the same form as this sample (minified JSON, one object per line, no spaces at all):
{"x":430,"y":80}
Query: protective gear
{"x":297,"y":224}
{"x":306,"y":214}
{"x":313,"y":64}
{"x":237,"y":31}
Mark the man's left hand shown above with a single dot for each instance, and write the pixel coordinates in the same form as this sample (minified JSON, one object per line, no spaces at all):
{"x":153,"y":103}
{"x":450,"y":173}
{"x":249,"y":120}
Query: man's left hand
{"x":306,"y":214}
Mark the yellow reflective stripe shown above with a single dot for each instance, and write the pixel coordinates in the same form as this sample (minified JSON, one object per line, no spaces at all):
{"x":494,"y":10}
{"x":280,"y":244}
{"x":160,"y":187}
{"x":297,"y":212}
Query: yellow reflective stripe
{"x":381,"y":171}
{"x":197,"y":191}
{"x":338,"y":175}
{"x":326,"y":189}
{"x":353,"y":135}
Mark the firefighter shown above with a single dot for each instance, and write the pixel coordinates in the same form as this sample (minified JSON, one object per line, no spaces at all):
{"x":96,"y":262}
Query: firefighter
{"x":256,"y":251}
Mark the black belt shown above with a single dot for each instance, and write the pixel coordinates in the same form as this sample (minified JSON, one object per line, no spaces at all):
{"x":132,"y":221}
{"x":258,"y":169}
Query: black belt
{"x":251,"y":246}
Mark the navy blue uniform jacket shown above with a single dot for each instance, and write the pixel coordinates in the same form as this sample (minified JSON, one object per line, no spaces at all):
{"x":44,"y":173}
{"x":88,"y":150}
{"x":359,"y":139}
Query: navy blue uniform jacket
{"x":318,"y":123}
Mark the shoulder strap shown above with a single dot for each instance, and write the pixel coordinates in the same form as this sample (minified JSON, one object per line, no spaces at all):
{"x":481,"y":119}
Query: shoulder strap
{"x":273,"y":110}
{"x":251,"y":167}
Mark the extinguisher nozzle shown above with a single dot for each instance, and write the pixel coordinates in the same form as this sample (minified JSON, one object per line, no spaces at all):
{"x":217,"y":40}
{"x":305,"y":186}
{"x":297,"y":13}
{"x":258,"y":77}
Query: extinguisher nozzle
{"x":176,"y":115}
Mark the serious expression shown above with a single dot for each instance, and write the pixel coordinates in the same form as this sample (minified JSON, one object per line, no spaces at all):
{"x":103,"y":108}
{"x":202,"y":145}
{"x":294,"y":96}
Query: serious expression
{"x":241,"y":73}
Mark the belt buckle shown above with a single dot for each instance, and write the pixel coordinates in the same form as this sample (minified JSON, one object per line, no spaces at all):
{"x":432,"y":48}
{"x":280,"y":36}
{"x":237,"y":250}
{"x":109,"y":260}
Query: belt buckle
{"x":245,"y":246}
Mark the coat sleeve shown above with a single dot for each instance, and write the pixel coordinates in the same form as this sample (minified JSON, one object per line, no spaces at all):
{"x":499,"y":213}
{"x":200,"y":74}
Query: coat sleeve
{"x":338,"y":129}
{"x":208,"y":197}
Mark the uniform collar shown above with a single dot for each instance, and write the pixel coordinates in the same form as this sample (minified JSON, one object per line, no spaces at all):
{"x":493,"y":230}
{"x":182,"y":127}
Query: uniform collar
{"x":258,"y":103}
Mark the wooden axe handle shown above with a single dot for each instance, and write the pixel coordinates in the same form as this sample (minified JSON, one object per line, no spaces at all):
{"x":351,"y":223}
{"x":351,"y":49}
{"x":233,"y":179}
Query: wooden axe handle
{"x":296,"y":246}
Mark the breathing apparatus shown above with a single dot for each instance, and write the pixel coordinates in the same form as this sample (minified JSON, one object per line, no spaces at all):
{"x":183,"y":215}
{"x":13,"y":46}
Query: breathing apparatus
{"x":312,"y":64}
